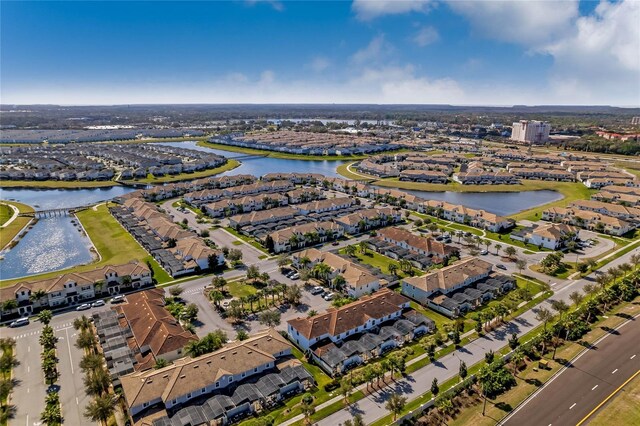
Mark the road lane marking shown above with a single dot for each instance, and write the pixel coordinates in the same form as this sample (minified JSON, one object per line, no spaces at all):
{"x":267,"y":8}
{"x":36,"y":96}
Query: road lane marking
{"x":27,"y":420}
{"x":69,"y":346}
{"x":28,"y":348}
{"x":614,"y":371}
{"x":574,"y":404}
{"x":28,"y":369}
{"x":608,"y":398}
{"x":594,"y":388}
{"x":632,"y":357}
{"x":77,"y":403}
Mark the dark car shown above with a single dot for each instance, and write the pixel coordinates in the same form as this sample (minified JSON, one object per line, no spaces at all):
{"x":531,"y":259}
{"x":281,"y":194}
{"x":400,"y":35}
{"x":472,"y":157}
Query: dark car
{"x":501,"y":266}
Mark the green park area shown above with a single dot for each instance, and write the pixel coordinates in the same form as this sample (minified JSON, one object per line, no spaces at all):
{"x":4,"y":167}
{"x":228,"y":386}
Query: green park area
{"x":12,"y":229}
{"x":274,"y":154}
{"x":113,"y":243}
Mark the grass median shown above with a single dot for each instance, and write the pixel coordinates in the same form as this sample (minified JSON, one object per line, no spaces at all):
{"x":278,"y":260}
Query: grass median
{"x":11,"y":230}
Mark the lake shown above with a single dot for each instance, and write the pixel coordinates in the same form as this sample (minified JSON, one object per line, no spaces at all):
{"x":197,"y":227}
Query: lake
{"x":43,"y":199}
{"x":259,"y":166}
{"x":53,"y":243}
{"x":501,"y":203}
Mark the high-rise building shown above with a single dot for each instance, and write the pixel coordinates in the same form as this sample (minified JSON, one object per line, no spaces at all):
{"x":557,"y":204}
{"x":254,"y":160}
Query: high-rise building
{"x":635,"y":121}
{"x":530,"y":131}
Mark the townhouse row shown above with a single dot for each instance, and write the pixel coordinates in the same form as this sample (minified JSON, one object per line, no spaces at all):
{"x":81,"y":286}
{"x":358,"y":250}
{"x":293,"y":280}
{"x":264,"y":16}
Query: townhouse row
{"x":458,"y":288}
{"x":343,"y":338}
{"x":176,"y":249}
{"x":72,"y":288}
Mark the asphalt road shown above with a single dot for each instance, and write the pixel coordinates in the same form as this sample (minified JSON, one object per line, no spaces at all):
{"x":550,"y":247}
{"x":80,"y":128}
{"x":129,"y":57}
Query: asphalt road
{"x":28,"y":396}
{"x":373,"y":406}
{"x":589,"y":380}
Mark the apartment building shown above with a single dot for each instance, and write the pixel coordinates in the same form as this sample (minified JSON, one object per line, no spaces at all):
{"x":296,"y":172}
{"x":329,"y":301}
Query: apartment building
{"x":629,"y":214}
{"x":449,"y":290}
{"x":357,"y":280}
{"x":216,"y":372}
{"x":530,"y":131}
{"x":300,"y":236}
{"x":366,"y":219}
{"x":553,"y":236}
{"x":588,"y":220}
{"x":422,"y":245}
{"x":461,"y":214}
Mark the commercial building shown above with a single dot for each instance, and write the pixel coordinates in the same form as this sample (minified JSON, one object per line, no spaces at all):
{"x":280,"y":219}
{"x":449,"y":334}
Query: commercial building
{"x":530,"y":131}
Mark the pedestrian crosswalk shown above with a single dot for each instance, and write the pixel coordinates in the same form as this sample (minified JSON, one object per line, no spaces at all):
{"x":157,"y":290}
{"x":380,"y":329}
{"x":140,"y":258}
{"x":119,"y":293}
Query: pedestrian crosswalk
{"x":58,"y":327}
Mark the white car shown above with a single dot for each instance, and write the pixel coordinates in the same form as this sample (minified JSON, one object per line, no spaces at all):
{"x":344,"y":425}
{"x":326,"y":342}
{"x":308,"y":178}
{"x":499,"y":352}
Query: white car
{"x":117,"y":299}
{"x":19,"y":322}
{"x":328,"y":296}
{"x":83,"y":307}
{"x":97,"y":303}
{"x":317,"y":290}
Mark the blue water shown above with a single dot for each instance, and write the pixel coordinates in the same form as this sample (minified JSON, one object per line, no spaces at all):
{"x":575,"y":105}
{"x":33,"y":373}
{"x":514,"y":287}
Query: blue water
{"x":53,"y":243}
{"x":501,"y":203}
{"x":259,"y":166}
{"x":43,"y":199}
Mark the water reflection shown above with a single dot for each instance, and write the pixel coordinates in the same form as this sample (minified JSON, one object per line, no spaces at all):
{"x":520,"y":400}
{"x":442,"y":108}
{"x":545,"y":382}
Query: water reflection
{"x":53,"y":243}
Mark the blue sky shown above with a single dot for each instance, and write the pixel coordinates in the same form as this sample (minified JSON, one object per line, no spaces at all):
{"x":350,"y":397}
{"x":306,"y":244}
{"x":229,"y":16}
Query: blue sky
{"x":362,"y":51}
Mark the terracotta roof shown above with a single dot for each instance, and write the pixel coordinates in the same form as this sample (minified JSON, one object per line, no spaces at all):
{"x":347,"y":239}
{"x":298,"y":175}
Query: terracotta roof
{"x":152,"y":325}
{"x":450,"y":276}
{"x":192,"y":374}
{"x":336,"y":321}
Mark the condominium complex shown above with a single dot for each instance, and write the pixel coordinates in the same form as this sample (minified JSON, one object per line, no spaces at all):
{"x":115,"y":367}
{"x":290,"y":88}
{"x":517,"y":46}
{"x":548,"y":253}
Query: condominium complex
{"x":530,"y":131}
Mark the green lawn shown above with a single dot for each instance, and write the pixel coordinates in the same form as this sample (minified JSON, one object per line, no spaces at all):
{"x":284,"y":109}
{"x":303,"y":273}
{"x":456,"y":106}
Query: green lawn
{"x":246,"y":239}
{"x":378,"y":261}
{"x":240,"y":289}
{"x":113,"y":242}
{"x":16,"y":226}
{"x":283,"y":155}
{"x":343,"y":170}
{"x":6,"y":213}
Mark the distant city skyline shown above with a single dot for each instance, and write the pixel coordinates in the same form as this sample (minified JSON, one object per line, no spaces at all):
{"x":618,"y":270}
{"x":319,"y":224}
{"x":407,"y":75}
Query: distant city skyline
{"x":382,"y":52}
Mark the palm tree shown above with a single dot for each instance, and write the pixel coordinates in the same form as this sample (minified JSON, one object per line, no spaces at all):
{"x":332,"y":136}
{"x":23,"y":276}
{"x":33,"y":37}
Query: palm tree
{"x":544,"y":316}
{"x":91,"y":362}
{"x":45,"y":316}
{"x":516,"y":358}
{"x":346,"y":387}
{"x":82,"y":323}
{"x":101,"y":408}
{"x":576,"y":297}
{"x":322,"y":271}
{"x":97,"y":383}
{"x":521,"y":264}
{"x":350,"y":250}
{"x":396,"y":404}
{"x":498,"y":248}
{"x":86,"y":340}
{"x":635,"y":260}
{"x":37,"y":295}
{"x":393,"y":268}
{"x":589,"y":289}
{"x":216,"y":297}
{"x":488,"y":244}
{"x":363,"y":246}
{"x":160,"y":363}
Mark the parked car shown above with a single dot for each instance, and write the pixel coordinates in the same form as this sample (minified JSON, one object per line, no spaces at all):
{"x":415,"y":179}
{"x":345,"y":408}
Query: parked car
{"x":295,"y":276}
{"x":118,"y":299}
{"x":317,"y":290}
{"x":83,"y":307}
{"x":19,"y":322}
{"x":97,"y":303}
{"x":335,"y":243}
{"x":501,"y":266}
{"x":484,"y":252}
{"x":328,"y":296}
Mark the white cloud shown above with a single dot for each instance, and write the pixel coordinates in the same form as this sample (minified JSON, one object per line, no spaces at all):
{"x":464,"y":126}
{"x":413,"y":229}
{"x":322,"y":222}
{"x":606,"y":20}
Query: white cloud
{"x":426,"y":35}
{"x":600,"y":60}
{"x":371,"y":9}
{"x":319,"y":64}
{"x":518,"y":21}
{"x":376,"y":50}
{"x":275,"y":4}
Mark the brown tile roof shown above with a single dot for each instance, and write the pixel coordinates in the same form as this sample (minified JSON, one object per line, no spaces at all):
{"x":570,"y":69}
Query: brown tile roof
{"x":192,"y":374}
{"x":450,"y":276}
{"x":336,"y":321}
{"x":152,"y":325}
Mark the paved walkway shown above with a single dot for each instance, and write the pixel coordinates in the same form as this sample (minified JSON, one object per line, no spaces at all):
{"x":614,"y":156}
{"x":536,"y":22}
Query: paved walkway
{"x":16,"y":212}
{"x":372,"y":407}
